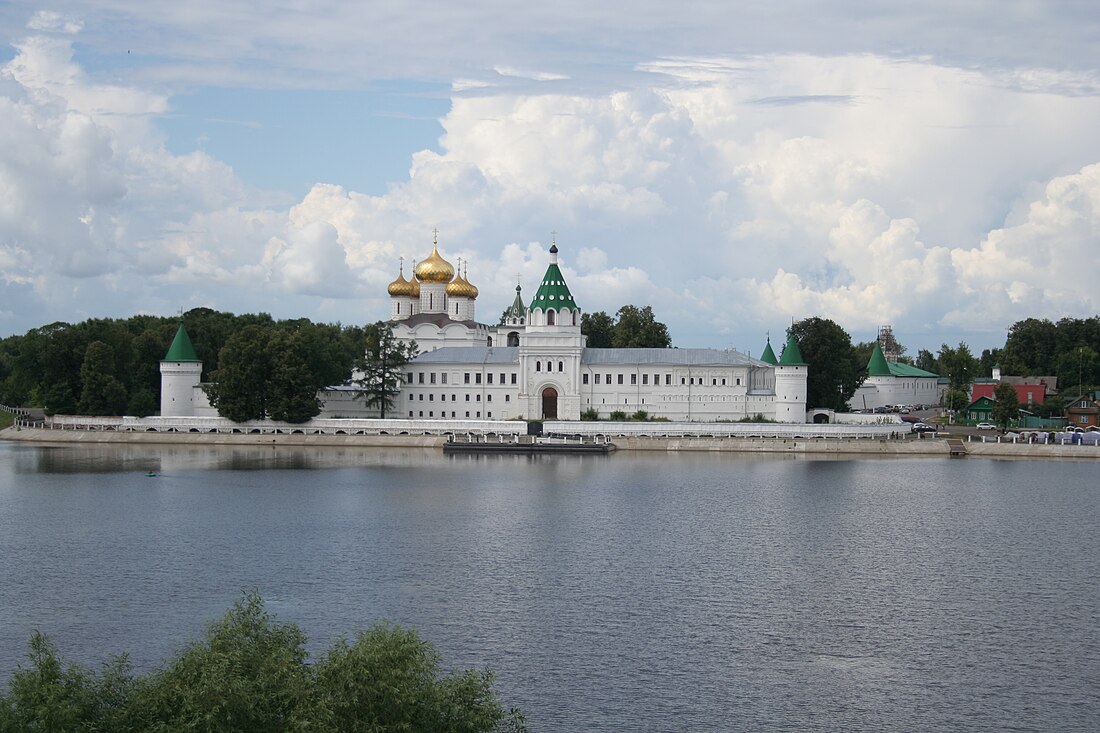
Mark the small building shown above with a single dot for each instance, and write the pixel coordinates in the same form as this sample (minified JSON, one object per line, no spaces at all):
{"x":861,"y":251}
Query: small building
{"x":1083,"y":411}
{"x":895,"y":383}
{"x":1026,"y":394}
{"x":980,"y":410}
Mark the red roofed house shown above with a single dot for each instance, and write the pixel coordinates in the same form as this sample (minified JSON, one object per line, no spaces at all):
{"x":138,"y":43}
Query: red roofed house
{"x":1026,"y":394}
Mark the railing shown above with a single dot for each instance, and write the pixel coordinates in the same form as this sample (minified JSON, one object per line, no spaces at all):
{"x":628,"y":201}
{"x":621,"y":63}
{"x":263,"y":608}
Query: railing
{"x":723,"y":430}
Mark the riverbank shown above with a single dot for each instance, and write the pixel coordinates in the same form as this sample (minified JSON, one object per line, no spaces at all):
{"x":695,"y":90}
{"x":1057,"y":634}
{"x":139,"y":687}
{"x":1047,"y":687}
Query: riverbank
{"x":839,"y":447}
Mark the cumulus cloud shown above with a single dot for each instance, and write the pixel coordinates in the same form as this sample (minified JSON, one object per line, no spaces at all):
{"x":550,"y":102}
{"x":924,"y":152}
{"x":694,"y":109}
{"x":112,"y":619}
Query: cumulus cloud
{"x":732,"y":194}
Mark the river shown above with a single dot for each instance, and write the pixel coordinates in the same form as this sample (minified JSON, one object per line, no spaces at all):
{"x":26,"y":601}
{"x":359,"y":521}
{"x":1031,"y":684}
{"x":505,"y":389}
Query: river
{"x":636,"y":592}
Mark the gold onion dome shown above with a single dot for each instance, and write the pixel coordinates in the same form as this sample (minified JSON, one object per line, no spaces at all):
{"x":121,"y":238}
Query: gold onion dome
{"x":435,"y":269}
{"x":460,"y":287}
{"x":400,"y":287}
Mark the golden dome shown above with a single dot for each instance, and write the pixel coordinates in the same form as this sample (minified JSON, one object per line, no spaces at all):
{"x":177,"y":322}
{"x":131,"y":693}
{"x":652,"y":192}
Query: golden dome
{"x":460,"y":287}
{"x":400,"y":287}
{"x":435,"y":269}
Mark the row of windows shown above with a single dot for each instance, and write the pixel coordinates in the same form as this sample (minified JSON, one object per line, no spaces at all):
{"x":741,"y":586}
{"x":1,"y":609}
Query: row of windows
{"x":431,"y":378}
{"x":549,"y":366}
{"x":443,"y":413}
{"x":657,"y":379}
{"x":454,"y":398}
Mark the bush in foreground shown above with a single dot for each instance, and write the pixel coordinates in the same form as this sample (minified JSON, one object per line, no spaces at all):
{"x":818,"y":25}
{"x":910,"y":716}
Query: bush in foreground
{"x":252,"y":674}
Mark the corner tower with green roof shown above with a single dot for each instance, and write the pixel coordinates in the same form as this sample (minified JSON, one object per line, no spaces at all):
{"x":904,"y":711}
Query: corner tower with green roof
{"x":790,"y":384}
{"x":180,"y":374}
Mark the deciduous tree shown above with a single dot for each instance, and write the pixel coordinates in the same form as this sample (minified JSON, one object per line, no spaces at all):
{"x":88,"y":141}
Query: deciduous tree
{"x":638,"y":328}
{"x":598,"y":327}
{"x":1006,"y":405}
{"x":835,"y":372}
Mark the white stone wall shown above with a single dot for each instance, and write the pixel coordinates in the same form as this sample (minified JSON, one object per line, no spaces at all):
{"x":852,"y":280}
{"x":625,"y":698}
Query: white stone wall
{"x":890,"y":390}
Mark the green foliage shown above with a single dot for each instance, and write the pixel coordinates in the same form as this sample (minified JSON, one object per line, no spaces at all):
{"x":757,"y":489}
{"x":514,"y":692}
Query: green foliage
{"x":103,"y":393}
{"x":640,"y":416}
{"x":6,"y":419}
{"x":1006,"y":406}
{"x":381,"y":367}
{"x":638,"y":328}
{"x":617,"y":416}
{"x":590,"y":414}
{"x":835,"y":371}
{"x":598,"y":327}
{"x":955,"y":399}
{"x":755,"y":418}
{"x":143,"y":403}
{"x":632,"y":328}
{"x":926,"y":360}
{"x":251,"y":673}
{"x":958,"y":364}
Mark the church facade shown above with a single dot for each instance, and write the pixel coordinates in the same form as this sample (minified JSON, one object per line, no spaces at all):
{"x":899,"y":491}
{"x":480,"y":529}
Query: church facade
{"x":534,"y":364}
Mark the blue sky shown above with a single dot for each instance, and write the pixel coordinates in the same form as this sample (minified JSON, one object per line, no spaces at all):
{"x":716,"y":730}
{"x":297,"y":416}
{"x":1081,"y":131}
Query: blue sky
{"x":932,"y":166}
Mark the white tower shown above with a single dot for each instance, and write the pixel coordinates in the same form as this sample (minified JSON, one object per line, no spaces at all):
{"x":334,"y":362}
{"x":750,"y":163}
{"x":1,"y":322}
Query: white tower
{"x":550,"y":351}
{"x":790,"y":385}
{"x":180,"y":373}
{"x":434,"y":274}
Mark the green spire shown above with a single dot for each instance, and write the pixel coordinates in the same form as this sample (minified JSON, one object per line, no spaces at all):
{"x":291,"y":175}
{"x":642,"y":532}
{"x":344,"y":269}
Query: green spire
{"x":181,"y":348}
{"x":553,"y":292}
{"x":517,"y":309}
{"x":791,"y":355}
{"x":876,"y":365}
{"x":768,"y":356}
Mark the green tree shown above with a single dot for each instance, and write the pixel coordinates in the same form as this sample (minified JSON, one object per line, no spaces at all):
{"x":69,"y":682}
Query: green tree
{"x":638,"y":328}
{"x":956,"y":400}
{"x":958,"y":364}
{"x":381,"y":368}
{"x":926,"y":360}
{"x":1030,"y":348}
{"x":241,"y":384}
{"x":1080,"y":367}
{"x":1006,"y":405}
{"x":248,"y":674}
{"x":292,"y":392}
{"x":835,"y":372}
{"x":102,"y":394}
{"x":598,"y":327}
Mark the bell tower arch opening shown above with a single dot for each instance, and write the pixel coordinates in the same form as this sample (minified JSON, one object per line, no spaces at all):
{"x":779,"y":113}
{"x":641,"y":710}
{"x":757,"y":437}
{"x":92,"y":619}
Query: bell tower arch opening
{"x":549,"y":404}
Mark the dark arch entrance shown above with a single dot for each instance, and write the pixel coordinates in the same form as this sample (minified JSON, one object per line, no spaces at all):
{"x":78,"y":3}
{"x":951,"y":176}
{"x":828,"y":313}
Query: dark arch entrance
{"x":821,"y":418}
{"x":549,"y":404}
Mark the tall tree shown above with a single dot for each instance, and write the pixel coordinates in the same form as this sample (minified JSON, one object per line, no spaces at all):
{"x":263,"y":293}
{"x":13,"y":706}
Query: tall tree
{"x":240,"y":387}
{"x":834,"y":369}
{"x":926,"y":360}
{"x":292,"y":394}
{"x":598,"y":327}
{"x":638,"y":328}
{"x":1030,"y":348}
{"x":102,"y":393}
{"x":1006,"y":405}
{"x":381,"y":369}
{"x":958,"y":364}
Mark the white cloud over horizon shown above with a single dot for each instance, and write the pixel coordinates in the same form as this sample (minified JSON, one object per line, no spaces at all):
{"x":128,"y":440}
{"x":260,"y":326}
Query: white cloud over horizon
{"x":731,"y":193}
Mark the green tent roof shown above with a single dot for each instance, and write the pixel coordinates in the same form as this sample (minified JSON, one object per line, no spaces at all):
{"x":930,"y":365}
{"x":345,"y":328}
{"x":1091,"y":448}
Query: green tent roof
{"x":898,"y":369}
{"x":791,"y":355}
{"x":553,"y":292}
{"x":769,"y":356}
{"x":181,"y":348}
{"x":876,"y":365}
{"x":517,"y":309}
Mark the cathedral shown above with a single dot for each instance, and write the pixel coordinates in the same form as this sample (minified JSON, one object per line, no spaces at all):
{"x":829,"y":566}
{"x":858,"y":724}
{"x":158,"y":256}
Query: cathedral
{"x":534,"y":364}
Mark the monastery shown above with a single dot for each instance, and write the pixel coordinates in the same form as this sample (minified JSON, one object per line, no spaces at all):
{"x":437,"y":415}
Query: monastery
{"x":534,"y":364}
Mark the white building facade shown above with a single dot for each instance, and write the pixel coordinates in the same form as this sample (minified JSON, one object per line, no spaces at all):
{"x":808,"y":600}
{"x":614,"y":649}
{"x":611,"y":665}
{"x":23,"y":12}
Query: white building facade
{"x":535,"y":365}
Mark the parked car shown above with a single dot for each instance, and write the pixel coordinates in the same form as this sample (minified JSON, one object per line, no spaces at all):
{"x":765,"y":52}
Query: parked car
{"x":986,"y":426}
{"x":922,"y":427}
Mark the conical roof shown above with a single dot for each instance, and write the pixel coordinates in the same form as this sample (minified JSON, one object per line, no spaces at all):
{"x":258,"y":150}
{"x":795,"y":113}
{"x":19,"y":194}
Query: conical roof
{"x":876,"y":365}
{"x":791,"y":355}
{"x":181,"y":348}
{"x":517,"y":309}
{"x":769,"y":356}
{"x":553,"y":292}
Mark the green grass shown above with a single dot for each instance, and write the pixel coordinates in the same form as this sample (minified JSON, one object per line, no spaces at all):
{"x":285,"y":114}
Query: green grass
{"x":6,"y":419}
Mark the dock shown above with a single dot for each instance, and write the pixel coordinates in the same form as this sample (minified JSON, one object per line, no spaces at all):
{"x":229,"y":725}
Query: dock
{"x":528,"y":445}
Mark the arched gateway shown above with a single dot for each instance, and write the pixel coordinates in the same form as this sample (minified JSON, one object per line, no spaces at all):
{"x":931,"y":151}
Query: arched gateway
{"x":549,"y":404}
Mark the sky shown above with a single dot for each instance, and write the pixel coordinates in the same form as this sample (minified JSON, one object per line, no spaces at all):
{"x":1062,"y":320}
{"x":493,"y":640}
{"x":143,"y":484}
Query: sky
{"x":934,"y":166}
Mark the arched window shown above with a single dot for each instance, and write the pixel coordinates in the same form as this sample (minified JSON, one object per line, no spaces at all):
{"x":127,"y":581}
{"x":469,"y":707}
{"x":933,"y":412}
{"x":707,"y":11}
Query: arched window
{"x":538,"y":366}
{"x":513,"y":339}
{"x":561,"y":366}
{"x":550,"y":317}
{"x":574,"y":318}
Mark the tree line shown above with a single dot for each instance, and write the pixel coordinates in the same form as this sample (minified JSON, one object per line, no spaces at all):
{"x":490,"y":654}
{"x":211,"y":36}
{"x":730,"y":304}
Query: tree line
{"x":112,"y":366}
{"x":251,"y":673}
{"x":1067,"y":350}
